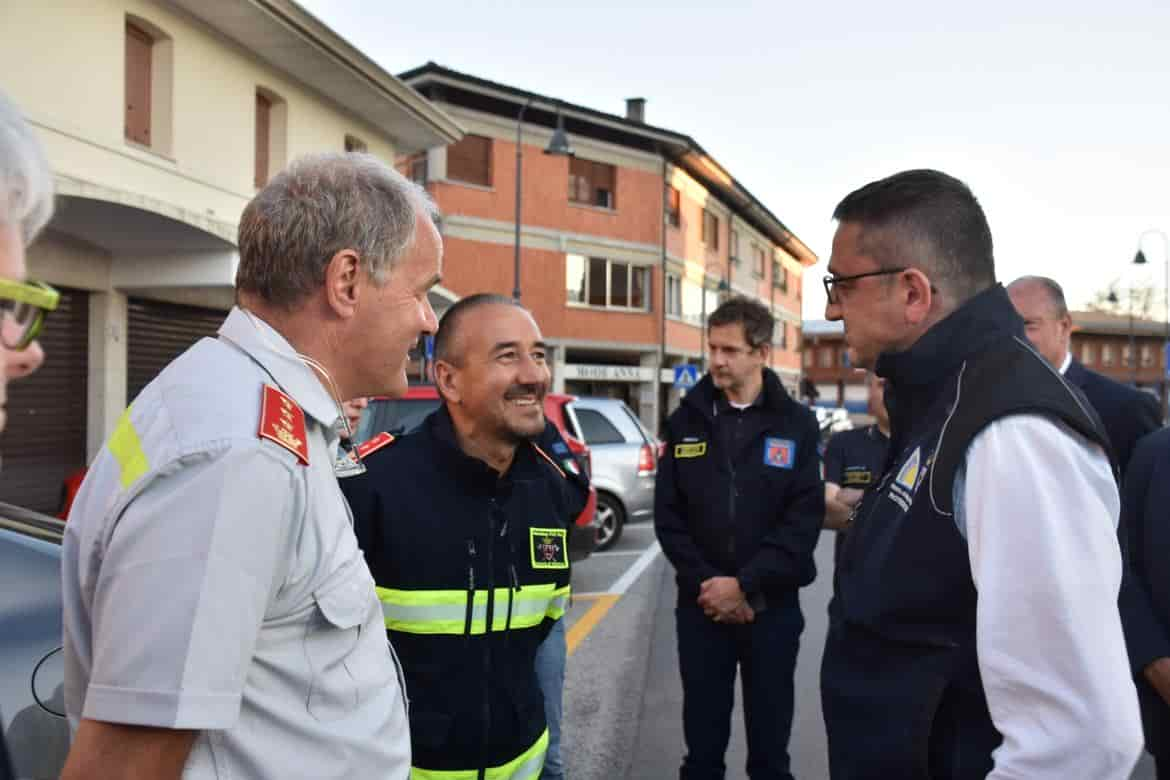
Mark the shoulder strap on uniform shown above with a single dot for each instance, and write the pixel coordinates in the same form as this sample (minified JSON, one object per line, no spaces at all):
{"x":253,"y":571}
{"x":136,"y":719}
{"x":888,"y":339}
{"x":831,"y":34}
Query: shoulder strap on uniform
{"x":283,"y":422}
{"x":551,"y":462}
{"x":373,"y":445}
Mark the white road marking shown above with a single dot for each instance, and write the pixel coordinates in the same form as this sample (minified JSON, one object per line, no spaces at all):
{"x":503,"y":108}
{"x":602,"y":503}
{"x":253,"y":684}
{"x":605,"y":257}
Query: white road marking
{"x":615,"y":553}
{"x":631,"y":576}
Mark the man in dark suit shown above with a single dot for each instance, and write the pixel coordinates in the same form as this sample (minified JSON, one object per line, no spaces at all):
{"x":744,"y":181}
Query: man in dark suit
{"x":1127,"y":413}
{"x":1145,"y":596}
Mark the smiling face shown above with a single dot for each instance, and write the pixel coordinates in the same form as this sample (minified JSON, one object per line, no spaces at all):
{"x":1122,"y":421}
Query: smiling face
{"x":497,"y":375}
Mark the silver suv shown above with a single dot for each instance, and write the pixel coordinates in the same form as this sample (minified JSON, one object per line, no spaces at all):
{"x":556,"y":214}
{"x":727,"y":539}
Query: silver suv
{"x":625,"y":462}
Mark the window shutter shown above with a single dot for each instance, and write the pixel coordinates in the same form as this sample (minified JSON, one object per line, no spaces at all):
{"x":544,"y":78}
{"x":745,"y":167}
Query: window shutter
{"x":263,"y":114}
{"x":138,"y":51}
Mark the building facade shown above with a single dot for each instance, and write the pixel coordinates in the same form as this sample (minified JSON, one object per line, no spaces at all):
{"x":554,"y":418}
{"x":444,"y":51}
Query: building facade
{"x":1129,"y":351}
{"x":625,"y":246}
{"x":160,"y":120}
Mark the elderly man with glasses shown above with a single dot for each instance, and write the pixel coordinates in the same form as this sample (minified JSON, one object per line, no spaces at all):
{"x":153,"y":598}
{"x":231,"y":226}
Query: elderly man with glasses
{"x":976,"y":630}
{"x":26,"y":203}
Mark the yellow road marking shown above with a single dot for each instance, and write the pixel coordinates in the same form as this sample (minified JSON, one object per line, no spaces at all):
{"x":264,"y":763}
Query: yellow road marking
{"x":589,"y":620}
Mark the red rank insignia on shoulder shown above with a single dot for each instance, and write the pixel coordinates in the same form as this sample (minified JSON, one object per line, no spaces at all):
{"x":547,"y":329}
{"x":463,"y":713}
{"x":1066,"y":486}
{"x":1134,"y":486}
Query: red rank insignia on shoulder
{"x":375,"y":444}
{"x":283,"y":422}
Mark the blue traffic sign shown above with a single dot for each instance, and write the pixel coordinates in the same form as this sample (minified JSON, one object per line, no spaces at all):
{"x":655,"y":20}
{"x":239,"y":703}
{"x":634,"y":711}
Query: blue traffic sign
{"x":429,"y":347}
{"x":686,"y":377}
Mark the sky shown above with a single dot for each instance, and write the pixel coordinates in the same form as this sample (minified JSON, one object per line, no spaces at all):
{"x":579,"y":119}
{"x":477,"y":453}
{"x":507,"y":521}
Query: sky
{"x":1055,"y":112}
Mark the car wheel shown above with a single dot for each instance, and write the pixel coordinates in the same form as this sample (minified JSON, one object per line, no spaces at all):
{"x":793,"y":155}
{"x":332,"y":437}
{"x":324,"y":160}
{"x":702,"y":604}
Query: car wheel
{"x":611,"y":518}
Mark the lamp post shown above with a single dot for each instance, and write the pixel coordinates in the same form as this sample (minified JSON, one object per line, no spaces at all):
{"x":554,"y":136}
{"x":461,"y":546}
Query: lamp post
{"x":1140,"y":259}
{"x":557,"y":145}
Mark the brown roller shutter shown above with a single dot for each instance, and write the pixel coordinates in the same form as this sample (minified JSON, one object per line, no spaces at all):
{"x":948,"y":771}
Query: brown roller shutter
{"x":160,"y":332}
{"x":44,"y":441}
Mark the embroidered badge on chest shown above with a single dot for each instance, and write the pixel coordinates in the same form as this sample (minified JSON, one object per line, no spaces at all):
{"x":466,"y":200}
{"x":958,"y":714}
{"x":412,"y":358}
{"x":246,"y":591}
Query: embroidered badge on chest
{"x":548,"y":548}
{"x":696,"y":449}
{"x":909,"y":477}
{"x":858,"y":477}
{"x":779,"y":453}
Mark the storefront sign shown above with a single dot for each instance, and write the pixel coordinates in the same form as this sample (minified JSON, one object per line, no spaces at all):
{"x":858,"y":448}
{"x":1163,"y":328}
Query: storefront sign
{"x":590,"y":373}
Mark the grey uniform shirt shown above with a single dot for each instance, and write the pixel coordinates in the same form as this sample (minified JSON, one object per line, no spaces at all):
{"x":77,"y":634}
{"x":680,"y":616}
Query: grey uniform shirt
{"x":212,"y":580}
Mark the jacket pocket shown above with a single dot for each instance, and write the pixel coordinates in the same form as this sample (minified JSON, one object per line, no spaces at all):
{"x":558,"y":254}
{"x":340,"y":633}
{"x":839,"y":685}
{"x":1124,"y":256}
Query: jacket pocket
{"x":345,"y":646}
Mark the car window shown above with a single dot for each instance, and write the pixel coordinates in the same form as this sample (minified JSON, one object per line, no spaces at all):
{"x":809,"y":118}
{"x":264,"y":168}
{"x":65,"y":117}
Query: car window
{"x":597,"y":429}
{"x":397,"y":416}
{"x":647,"y":437}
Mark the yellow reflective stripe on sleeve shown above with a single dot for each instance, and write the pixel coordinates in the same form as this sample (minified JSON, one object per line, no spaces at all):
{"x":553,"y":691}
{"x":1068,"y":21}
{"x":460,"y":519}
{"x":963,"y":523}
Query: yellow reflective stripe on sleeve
{"x":127,"y":450}
{"x":525,"y":766}
{"x":445,"y":611}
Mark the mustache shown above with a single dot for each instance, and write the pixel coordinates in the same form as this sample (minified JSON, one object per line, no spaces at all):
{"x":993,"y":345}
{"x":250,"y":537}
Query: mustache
{"x":518,"y":391}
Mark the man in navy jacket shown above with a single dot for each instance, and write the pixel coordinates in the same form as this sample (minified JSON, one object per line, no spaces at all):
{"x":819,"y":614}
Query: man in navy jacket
{"x":738,"y":510}
{"x":1145,"y":602}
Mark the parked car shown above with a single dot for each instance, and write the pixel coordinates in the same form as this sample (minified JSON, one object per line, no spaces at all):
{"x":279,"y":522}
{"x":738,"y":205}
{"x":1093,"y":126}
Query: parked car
{"x":403,"y":415}
{"x":625,"y":462}
{"x":31,"y":666}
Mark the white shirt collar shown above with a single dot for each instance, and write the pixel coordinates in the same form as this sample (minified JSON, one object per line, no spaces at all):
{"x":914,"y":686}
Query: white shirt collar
{"x":1067,"y":362}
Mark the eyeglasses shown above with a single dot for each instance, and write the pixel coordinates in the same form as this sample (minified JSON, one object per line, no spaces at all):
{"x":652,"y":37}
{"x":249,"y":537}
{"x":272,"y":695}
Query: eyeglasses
{"x":23,"y":306}
{"x":831,"y":281}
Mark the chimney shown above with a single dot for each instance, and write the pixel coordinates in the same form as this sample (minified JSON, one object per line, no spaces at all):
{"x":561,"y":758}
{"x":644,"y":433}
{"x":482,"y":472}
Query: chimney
{"x":636,"y":109}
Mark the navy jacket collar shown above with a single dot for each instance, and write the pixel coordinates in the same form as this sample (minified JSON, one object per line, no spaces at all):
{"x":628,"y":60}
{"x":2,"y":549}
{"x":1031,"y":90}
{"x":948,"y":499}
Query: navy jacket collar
{"x":916,"y":375}
{"x":473,"y":471}
{"x":704,"y":395}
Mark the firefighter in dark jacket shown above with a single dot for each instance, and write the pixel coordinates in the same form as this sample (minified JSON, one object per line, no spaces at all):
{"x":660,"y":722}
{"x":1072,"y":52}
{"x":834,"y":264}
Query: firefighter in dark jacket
{"x":463,"y":526}
{"x":738,"y":509}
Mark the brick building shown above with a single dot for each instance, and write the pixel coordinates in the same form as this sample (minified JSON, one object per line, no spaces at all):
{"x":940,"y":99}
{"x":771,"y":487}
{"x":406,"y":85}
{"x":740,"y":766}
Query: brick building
{"x":1101,"y":341}
{"x":601,"y":232}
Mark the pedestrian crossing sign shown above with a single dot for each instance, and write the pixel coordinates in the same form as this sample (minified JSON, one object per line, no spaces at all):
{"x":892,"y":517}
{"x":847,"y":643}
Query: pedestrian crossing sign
{"x":685,"y":377}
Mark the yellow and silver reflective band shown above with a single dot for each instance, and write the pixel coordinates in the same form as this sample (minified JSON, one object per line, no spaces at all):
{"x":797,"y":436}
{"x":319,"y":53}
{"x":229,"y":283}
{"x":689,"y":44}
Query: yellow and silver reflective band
{"x":445,"y":611}
{"x":525,"y":766}
{"x":126,"y":448}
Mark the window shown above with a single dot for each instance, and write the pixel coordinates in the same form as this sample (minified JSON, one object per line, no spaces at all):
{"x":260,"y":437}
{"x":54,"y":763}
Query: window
{"x":1106,"y":354}
{"x":263,"y":122}
{"x":673,"y":295}
{"x":783,"y":328}
{"x":470,"y":160}
{"x":139,"y":46}
{"x":806,"y":359}
{"x":592,"y":183}
{"x":416,"y":168}
{"x":711,"y":231}
{"x":595,"y":429}
{"x":779,"y":276}
{"x":1087,"y":354}
{"x":596,"y":281}
{"x":673,"y":206}
{"x":826,"y":357}
{"x":758,"y":260}
{"x":732,"y":241}
{"x":1147,"y":355}
{"x":1127,"y":355}
{"x":354,"y":144}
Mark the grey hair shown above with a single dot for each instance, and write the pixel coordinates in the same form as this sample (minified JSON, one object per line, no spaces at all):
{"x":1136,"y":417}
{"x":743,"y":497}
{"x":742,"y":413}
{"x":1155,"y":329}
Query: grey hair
{"x":26,"y":182}
{"x":318,"y":206}
{"x":1051,"y":288}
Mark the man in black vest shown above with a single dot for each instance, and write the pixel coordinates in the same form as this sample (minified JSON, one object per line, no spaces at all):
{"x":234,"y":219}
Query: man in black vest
{"x":978,"y":632}
{"x":1127,"y":413}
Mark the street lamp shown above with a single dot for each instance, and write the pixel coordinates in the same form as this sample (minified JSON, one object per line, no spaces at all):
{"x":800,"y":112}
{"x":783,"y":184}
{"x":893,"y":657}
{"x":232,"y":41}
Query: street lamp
{"x":557,"y":145}
{"x":1140,"y":259}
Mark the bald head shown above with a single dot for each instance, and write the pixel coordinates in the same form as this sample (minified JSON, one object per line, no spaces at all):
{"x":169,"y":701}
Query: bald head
{"x":1040,"y":301}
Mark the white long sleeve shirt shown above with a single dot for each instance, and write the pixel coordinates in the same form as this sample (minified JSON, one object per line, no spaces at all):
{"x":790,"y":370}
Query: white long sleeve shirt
{"x":1039,"y":507}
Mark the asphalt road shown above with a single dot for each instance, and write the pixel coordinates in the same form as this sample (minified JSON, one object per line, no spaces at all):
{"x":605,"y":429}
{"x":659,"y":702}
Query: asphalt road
{"x":623,"y":699}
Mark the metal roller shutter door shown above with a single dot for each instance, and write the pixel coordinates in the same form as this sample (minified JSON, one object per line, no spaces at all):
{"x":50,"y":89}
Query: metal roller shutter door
{"x":44,"y":441}
{"x":160,"y":332}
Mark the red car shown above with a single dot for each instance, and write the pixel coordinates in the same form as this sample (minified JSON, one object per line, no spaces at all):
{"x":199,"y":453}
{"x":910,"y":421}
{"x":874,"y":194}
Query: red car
{"x":402,"y":415}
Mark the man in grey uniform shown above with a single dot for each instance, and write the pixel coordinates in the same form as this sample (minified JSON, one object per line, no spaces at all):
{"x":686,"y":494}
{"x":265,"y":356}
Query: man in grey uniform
{"x":220,"y":620}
